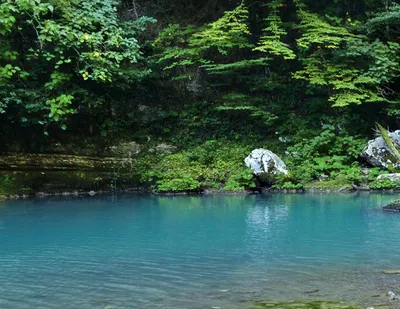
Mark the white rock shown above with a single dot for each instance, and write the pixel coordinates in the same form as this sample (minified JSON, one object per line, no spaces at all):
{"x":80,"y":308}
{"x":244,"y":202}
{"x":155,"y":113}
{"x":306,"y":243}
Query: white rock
{"x":377,"y":153}
{"x":265,"y":161}
{"x":392,"y":177}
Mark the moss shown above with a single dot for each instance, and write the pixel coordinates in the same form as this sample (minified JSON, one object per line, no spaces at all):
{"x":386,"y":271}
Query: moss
{"x":329,"y":184}
{"x":389,"y":142}
{"x":29,"y":173}
{"x":304,"y":305}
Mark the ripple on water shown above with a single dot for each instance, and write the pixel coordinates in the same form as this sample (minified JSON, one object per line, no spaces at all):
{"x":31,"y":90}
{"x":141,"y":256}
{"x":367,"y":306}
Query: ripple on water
{"x":195,"y":252}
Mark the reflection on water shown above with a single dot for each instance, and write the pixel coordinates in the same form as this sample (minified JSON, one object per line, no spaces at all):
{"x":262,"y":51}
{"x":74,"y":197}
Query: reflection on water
{"x":195,"y":252}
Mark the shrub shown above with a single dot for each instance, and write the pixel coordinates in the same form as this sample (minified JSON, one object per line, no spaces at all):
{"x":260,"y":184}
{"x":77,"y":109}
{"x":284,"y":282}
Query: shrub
{"x":384,"y":184}
{"x":212,"y":165}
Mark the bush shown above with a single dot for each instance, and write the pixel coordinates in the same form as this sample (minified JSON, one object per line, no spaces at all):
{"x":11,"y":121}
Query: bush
{"x":7,"y":184}
{"x":288,"y":186}
{"x":329,"y":153}
{"x":213,"y":165}
{"x":384,"y":184}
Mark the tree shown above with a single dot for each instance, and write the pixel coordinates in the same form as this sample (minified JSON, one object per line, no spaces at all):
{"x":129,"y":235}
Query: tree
{"x":60,"y":56}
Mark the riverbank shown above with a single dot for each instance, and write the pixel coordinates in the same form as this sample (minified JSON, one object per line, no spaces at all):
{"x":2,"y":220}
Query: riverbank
{"x":157,"y":171}
{"x":143,"y":190}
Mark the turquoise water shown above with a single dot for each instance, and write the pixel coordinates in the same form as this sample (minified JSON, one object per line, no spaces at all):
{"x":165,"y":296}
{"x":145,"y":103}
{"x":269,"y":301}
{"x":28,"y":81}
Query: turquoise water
{"x":195,"y":252}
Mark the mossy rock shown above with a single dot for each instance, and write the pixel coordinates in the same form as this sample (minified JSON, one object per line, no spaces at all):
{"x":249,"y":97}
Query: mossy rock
{"x":392,"y":206}
{"x":30,"y":173}
{"x":304,"y":305}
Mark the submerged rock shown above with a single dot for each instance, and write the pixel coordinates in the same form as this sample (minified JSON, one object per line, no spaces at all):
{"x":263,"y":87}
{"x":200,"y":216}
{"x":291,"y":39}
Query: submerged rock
{"x":391,"y":272}
{"x":265,"y":161}
{"x":312,"y":291}
{"x":304,"y":305}
{"x":392,"y":296}
{"x":392,"y":206}
{"x":378,"y":153}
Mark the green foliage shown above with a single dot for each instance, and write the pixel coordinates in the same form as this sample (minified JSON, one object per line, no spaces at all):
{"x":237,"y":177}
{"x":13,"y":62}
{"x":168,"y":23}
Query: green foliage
{"x":348,"y":85}
{"x":7,"y":184}
{"x":271,"y":42}
{"x":388,"y":141}
{"x":242,"y":104}
{"x":331,"y":62}
{"x":384,"y":23}
{"x":288,"y":185}
{"x":68,"y":49}
{"x":317,"y":32}
{"x":374,"y":173}
{"x":181,"y":47}
{"x":227,"y":32}
{"x":328,"y":153}
{"x":213,"y":165}
{"x":384,"y":184}
{"x":221,"y":73}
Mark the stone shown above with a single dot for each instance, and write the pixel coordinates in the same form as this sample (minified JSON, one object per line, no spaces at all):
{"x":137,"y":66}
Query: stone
{"x":163,"y":148}
{"x":392,"y":296}
{"x":392,"y":177}
{"x":392,"y":206}
{"x":323,"y":177}
{"x":377,"y":153}
{"x":312,"y":291}
{"x":391,"y":272}
{"x":265,"y":161}
{"x":197,"y":84}
{"x":125,"y":149}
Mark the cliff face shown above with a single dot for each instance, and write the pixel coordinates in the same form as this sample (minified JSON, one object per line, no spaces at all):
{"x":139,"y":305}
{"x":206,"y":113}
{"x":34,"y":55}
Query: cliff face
{"x":27,"y":173}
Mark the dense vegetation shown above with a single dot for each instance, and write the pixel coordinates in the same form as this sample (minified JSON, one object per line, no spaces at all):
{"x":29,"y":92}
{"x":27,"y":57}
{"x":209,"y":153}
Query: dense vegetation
{"x":306,"y":79}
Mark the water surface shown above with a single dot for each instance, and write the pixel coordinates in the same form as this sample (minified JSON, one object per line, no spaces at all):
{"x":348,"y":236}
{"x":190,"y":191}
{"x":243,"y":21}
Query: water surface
{"x":196,"y":252}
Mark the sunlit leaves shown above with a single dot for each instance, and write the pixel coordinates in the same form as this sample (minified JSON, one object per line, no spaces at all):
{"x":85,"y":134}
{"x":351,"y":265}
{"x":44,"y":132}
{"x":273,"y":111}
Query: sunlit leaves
{"x":271,"y":42}
{"x":62,"y":45}
{"x":182,"y":47}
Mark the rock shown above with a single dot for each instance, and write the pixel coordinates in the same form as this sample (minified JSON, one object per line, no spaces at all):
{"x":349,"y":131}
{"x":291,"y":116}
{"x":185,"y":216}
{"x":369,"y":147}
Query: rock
{"x":377,"y":153}
{"x":392,"y":296}
{"x":312,"y":291}
{"x":197,"y":84}
{"x":323,"y":177}
{"x":125,"y":149}
{"x":163,"y":148}
{"x":392,"y":206}
{"x":92,"y":193}
{"x":392,"y":177}
{"x":391,"y":272}
{"x":361,"y":187}
{"x":265,"y":161}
